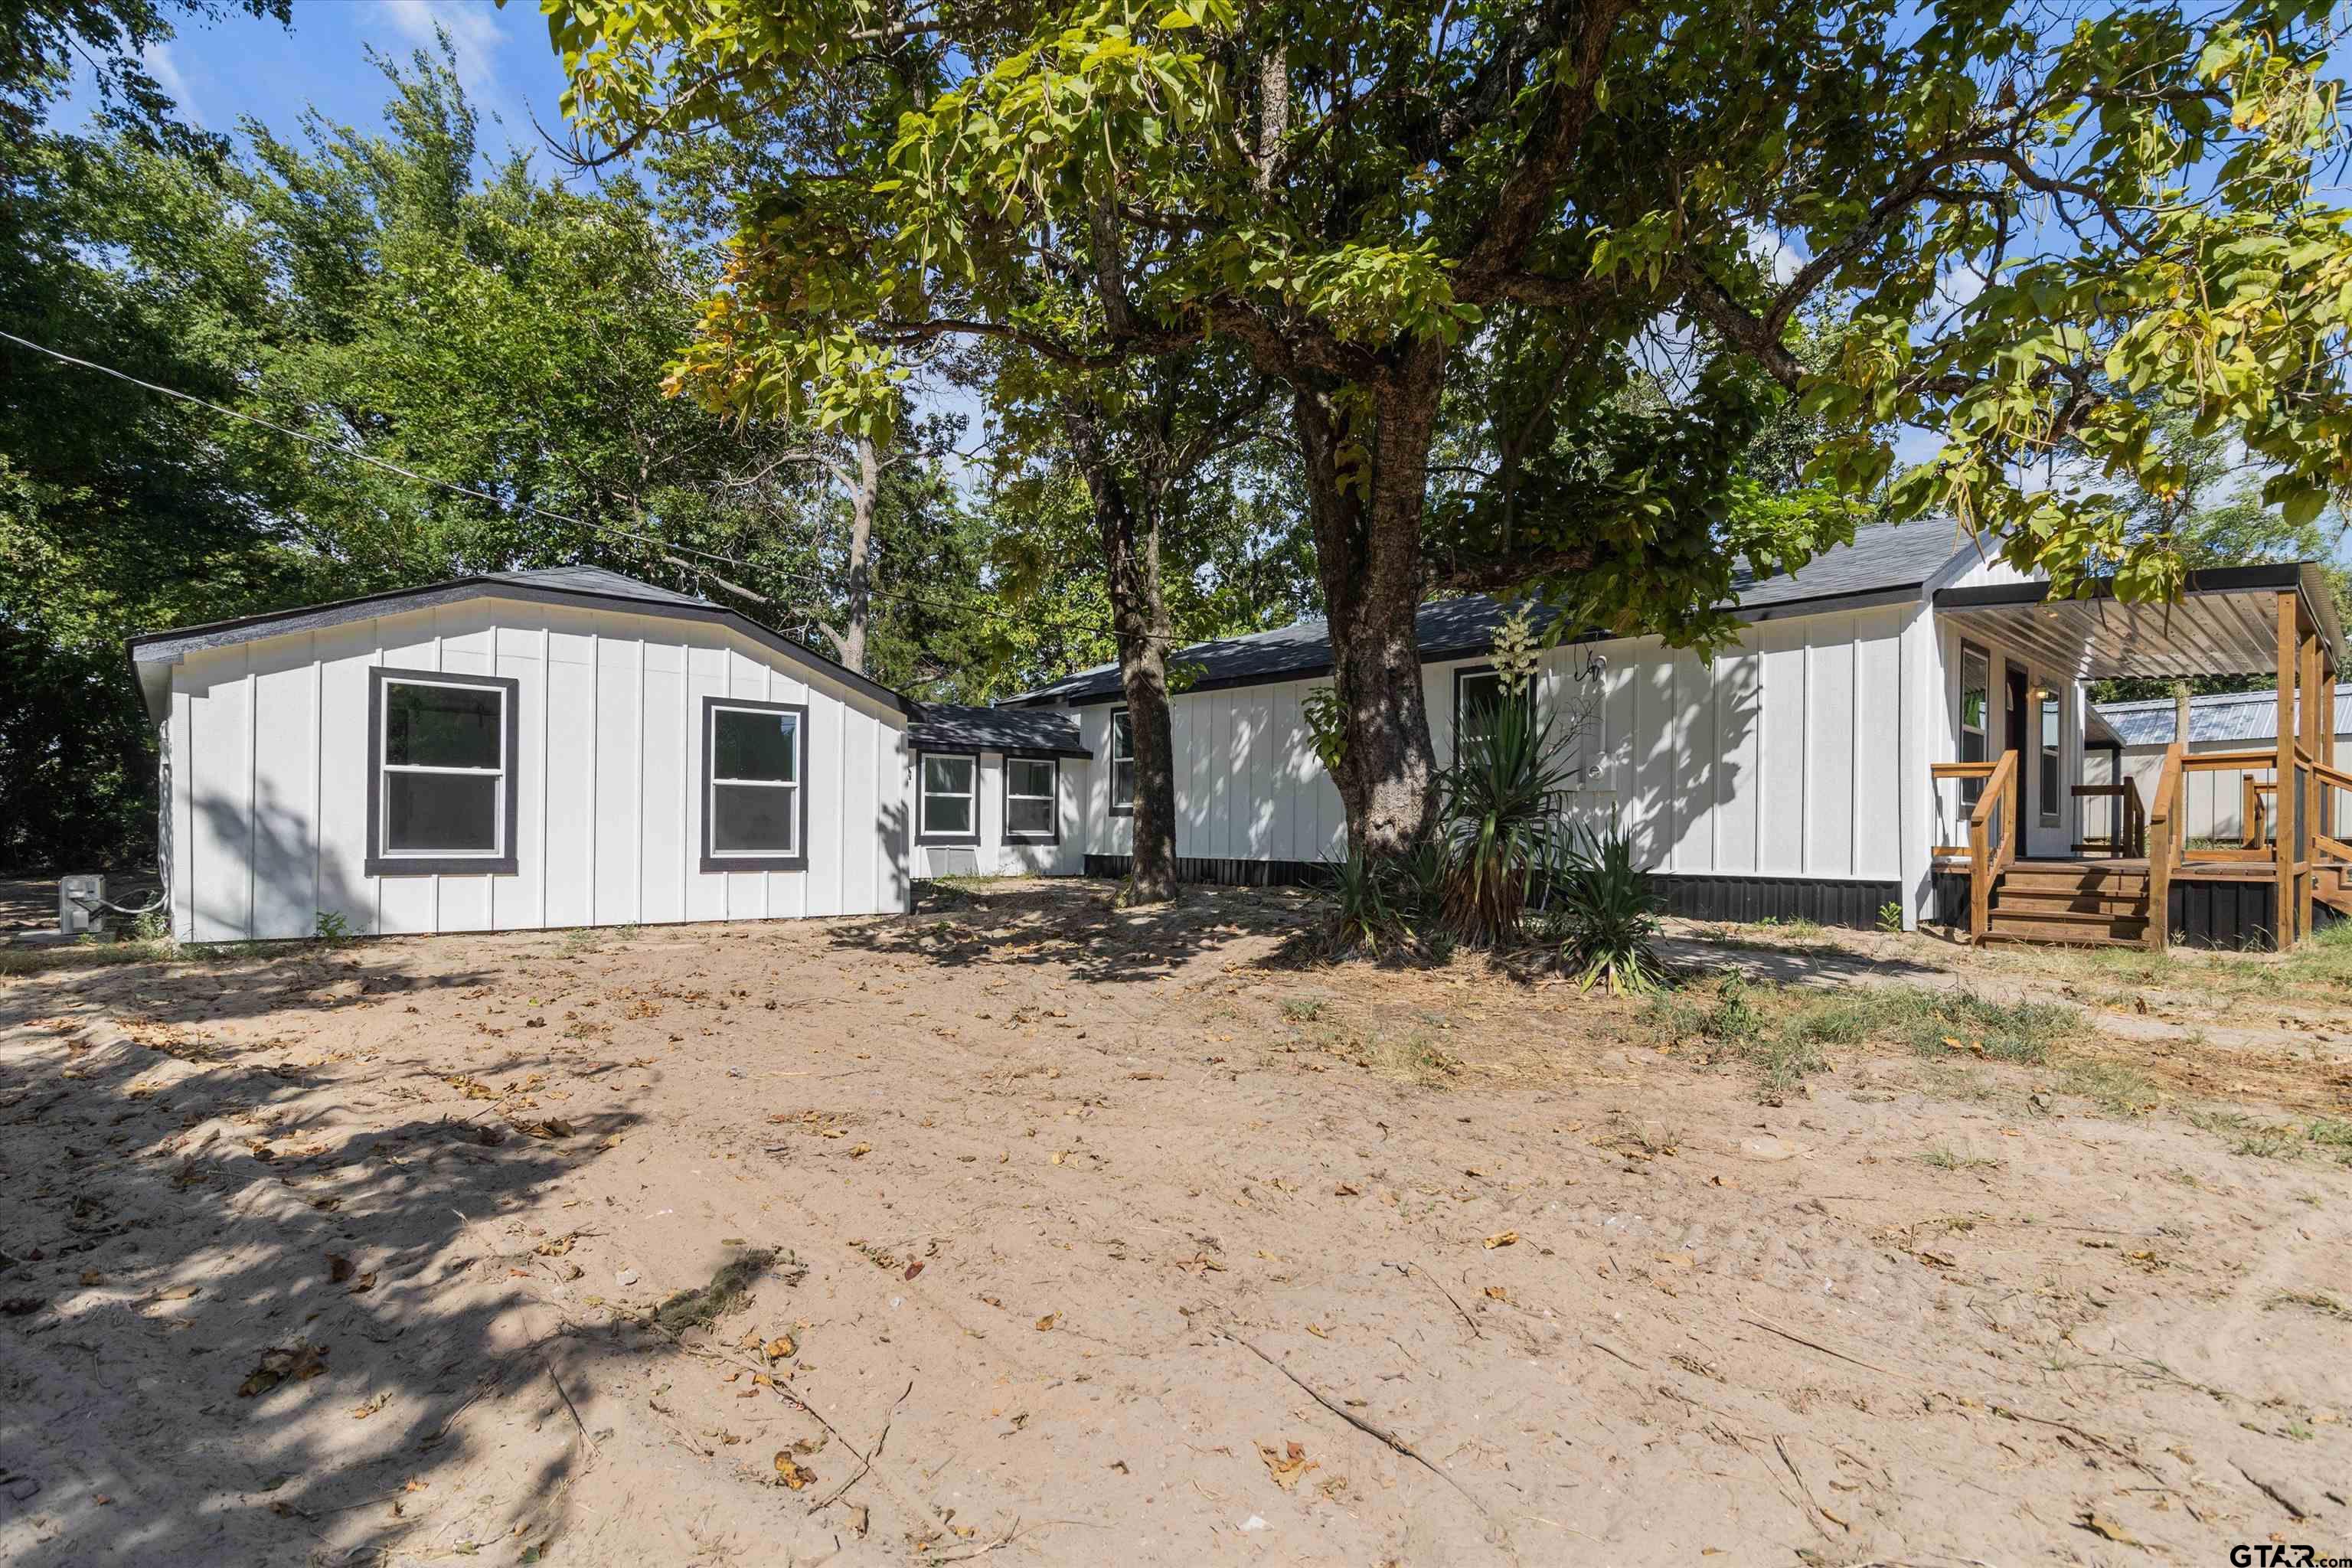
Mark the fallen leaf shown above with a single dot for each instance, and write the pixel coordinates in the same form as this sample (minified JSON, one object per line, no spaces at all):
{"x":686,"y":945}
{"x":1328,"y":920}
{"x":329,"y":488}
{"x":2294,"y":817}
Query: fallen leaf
{"x":297,"y":1362}
{"x":780,"y":1347}
{"x":795,"y":1475}
{"x":2099,"y":1524}
{"x":1495,"y":1293}
{"x":1045,"y":1323}
{"x":1502,"y":1239}
{"x":92,"y":1277}
{"x":1347,"y":1190}
{"x":914,"y":1268}
{"x":861,"y":1151}
{"x":1287,"y":1468}
{"x":338,"y":1268}
{"x":364,"y":1282}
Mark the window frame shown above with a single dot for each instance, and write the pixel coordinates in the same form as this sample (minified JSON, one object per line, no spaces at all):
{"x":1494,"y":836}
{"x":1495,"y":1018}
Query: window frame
{"x":1463,"y":675}
{"x":2050,"y":757}
{"x":1110,"y":752}
{"x":796,"y":857}
{"x":923,"y":835}
{"x":1052,"y":836}
{"x":1972,"y":788}
{"x":498,"y":862}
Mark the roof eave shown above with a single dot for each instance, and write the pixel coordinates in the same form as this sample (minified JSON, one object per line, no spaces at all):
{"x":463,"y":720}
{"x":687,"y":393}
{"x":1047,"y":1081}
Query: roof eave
{"x":167,"y":647}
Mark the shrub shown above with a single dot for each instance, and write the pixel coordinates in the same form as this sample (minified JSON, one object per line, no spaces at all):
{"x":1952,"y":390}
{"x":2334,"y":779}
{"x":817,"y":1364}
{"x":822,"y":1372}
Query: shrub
{"x":1496,"y":825}
{"x":1360,"y":915}
{"x":1605,"y":912}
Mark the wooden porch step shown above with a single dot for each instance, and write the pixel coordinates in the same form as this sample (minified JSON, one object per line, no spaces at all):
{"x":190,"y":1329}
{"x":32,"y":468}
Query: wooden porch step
{"x":2041,"y":874}
{"x":2066,"y":928}
{"x":2079,"y":901}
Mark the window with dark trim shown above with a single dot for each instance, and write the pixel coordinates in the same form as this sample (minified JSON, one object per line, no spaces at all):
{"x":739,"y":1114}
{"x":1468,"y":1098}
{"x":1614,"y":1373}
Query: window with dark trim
{"x":947,"y":804}
{"x":1976,"y":701}
{"x":754,"y":785}
{"x":1033,"y":793}
{"x":2049,"y":760}
{"x":441,"y":773}
{"x":1477,"y":693}
{"x":1122,"y":764}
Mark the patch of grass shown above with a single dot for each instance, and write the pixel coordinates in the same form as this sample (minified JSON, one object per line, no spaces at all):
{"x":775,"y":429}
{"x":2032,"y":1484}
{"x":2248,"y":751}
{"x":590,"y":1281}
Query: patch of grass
{"x":2326,"y":1137}
{"x":727,"y":1290}
{"x":1783,"y":1033}
{"x":1946,"y":1159}
{"x":2311,"y":1300}
{"x":1416,"y":1059}
{"x":2116,"y":1089}
{"x":1302,"y":1009}
{"x":91,"y":955}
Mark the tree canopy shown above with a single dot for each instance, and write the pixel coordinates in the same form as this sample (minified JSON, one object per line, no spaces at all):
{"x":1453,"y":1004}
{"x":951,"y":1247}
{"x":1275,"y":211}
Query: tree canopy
{"x":2047,"y":232}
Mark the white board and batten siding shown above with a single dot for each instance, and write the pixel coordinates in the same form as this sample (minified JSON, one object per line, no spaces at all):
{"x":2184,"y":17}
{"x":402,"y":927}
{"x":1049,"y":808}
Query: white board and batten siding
{"x":1785,"y":757}
{"x":267,"y":763}
{"x":993,"y":855}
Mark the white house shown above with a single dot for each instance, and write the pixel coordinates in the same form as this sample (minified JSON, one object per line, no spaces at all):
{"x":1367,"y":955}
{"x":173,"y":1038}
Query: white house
{"x":1808,"y":771}
{"x":1898,"y":724}
{"x":558,"y":748}
{"x":998,"y":792}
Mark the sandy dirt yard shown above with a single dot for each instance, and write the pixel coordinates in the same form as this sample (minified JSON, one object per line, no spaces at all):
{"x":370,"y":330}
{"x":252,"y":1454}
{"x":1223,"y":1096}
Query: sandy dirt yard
{"x":1021,"y":1229}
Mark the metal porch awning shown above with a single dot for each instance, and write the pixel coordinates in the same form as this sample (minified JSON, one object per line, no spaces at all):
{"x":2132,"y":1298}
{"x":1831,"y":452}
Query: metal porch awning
{"x":2224,"y":623}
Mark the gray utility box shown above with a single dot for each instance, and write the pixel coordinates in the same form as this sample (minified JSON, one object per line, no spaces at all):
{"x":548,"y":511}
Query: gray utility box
{"x":79,"y":901}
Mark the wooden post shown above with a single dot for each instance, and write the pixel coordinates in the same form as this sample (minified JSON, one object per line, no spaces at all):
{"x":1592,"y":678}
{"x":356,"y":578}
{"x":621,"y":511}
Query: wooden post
{"x":2315,"y":720}
{"x":2283,"y":930}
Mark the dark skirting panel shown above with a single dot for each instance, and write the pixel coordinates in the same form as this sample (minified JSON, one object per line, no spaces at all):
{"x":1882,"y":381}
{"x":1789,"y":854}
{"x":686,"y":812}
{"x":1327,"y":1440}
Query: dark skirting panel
{"x":1225,"y":873}
{"x":1854,"y":904}
{"x":1751,"y":898}
{"x":2237,"y":914}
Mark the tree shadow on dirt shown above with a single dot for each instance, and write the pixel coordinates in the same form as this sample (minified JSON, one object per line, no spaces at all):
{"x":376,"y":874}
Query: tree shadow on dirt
{"x":1076,"y":924}
{"x":238,"y":1318}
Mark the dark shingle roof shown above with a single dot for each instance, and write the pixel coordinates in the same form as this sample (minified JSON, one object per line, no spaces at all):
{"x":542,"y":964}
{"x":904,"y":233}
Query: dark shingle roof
{"x":2215,"y":718}
{"x":949,"y":727}
{"x":1882,"y":560}
{"x":153,"y":653}
{"x":595,"y":580}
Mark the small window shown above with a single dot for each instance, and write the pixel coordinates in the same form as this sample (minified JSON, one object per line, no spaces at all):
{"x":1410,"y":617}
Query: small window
{"x":1032,"y":797}
{"x":1477,"y":694}
{"x":755,"y":803}
{"x":1976,"y":694}
{"x":2049,"y":779}
{"x":950,"y":806}
{"x":1122,"y":764}
{"x":441,"y":750}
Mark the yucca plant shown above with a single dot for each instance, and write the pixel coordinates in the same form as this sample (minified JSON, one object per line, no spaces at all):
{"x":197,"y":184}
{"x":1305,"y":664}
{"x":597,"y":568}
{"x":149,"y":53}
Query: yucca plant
{"x":1360,"y":913}
{"x":1496,"y":823}
{"x":1604,"y":912}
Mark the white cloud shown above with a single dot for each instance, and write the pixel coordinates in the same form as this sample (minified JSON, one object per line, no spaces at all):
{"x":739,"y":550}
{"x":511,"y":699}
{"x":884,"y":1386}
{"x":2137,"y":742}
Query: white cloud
{"x":168,"y":75}
{"x":474,"y":33}
{"x":1782,"y":252}
{"x":1957,"y":288}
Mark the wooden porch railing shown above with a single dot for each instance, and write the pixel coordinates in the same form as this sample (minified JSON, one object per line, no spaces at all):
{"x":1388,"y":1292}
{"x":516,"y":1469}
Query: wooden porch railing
{"x":1992,"y":832}
{"x":2127,"y":830}
{"x":2327,"y":811}
{"x":2164,"y":839}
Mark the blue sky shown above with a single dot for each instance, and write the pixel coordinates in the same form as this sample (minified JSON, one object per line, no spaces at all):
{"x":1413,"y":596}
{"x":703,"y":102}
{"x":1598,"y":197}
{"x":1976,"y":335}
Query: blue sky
{"x":238,"y":67}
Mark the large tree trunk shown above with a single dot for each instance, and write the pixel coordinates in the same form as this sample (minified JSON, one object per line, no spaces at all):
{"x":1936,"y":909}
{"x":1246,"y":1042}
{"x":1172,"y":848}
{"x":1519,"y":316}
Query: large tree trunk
{"x":864,"y":492}
{"x":1140,"y":625}
{"x":1366,"y":471}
